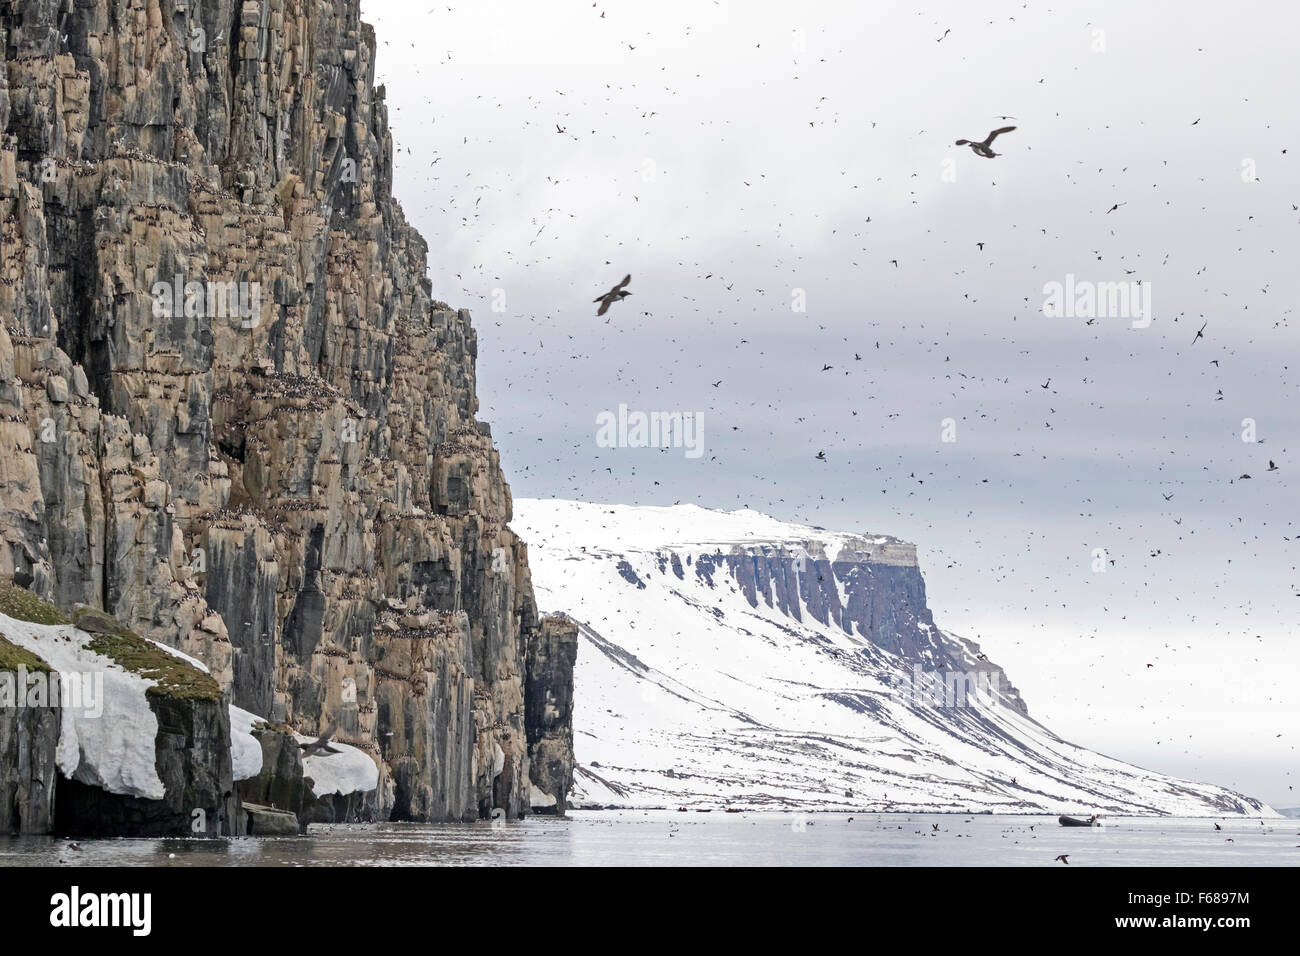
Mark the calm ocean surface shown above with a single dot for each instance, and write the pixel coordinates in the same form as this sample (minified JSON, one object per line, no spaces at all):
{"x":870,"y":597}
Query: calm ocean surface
{"x":666,"y":838}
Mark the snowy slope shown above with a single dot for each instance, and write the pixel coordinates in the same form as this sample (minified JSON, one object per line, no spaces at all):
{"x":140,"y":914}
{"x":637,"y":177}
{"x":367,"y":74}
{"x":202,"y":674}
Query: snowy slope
{"x":729,"y":659}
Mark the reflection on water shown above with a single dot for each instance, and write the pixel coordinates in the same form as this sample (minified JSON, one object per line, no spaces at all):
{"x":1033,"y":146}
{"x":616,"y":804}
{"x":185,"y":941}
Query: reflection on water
{"x":665,"y":838}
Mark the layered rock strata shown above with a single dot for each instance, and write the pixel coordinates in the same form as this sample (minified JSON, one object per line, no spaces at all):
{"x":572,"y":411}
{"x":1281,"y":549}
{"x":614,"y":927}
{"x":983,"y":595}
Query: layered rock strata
{"x":231,"y":412}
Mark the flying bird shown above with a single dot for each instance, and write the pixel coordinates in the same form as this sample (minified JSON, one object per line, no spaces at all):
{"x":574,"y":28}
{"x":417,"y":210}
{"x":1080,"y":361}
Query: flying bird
{"x":320,"y":745}
{"x":616,"y":294}
{"x":984,"y":148}
{"x":1064,"y":858}
{"x":1200,"y":333}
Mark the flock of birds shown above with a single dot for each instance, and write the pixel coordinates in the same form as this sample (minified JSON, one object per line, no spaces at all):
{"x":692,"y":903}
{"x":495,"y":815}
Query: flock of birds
{"x":981,"y":148}
{"x":714,"y":330}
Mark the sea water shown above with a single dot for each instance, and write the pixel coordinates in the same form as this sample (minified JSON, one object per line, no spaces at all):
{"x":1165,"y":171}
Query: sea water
{"x":669,"y":838}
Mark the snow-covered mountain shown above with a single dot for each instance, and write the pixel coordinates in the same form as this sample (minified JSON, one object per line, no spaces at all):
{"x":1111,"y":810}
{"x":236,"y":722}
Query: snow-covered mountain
{"x":729,"y":659}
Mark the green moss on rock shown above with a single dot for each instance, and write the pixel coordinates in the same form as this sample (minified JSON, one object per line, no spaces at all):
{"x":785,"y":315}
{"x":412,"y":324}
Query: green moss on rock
{"x":174,"y":677}
{"x":21,"y":604}
{"x":12,"y":657}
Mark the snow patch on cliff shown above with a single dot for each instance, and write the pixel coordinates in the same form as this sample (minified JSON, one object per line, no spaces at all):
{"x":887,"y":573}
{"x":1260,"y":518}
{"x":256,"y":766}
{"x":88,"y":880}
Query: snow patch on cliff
{"x":245,"y":749}
{"x":113,"y":749}
{"x":351,"y":770}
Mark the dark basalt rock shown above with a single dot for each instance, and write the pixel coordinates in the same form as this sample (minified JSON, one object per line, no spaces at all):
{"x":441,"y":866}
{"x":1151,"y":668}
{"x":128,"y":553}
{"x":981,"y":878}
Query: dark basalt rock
{"x":552,"y":653}
{"x":193,"y":762}
{"x":29,"y":741}
{"x":279,"y":785}
{"x":627,"y":574}
{"x":267,"y":821}
{"x":357,"y":807}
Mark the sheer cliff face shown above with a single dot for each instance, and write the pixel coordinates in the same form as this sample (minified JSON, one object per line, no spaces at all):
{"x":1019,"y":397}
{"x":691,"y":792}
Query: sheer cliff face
{"x":231,"y":412}
{"x":869,"y":587}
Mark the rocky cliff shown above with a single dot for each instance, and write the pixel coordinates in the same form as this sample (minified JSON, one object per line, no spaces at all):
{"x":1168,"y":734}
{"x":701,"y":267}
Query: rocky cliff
{"x":29,"y":739}
{"x":549,"y":695}
{"x":232,"y":413}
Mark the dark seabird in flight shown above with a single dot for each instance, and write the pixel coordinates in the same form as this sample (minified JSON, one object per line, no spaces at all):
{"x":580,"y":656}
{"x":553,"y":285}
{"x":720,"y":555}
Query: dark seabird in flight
{"x":983,"y":149}
{"x":321,"y":745}
{"x":1064,"y":858}
{"x":616,"y":294}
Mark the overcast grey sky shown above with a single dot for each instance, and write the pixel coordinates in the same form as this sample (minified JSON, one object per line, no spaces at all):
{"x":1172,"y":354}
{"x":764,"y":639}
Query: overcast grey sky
{"x":735,"y":157}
